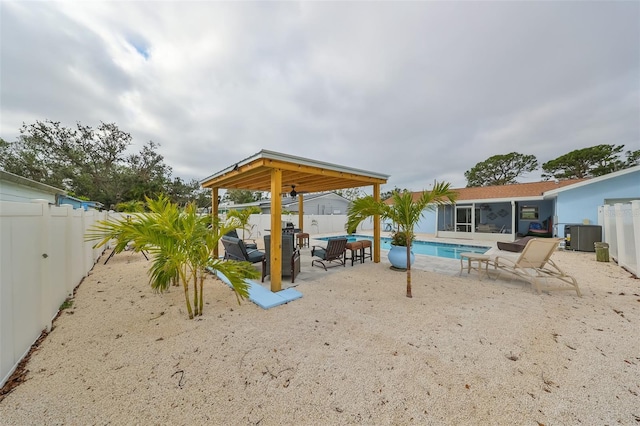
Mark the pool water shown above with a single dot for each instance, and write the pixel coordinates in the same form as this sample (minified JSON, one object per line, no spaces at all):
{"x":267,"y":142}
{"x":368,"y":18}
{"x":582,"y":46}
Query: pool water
{"x":427,"y":248}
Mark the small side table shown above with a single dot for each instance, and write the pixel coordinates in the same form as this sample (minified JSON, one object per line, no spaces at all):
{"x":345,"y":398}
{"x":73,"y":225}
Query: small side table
{"x":366,"y":244}
{"x":356,"y":251}
{"x":481,"y":259}
{"x":303,"y":239}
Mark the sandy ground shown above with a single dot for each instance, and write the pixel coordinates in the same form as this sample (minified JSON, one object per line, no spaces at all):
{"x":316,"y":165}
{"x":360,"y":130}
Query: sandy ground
{"x":353,"y":350}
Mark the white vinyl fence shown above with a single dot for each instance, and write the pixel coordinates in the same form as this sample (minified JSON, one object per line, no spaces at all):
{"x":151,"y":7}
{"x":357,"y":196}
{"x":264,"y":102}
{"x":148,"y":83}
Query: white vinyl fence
{"x":43,"y":258}
{"x":260,"y":224}
{"x":621,"y":224}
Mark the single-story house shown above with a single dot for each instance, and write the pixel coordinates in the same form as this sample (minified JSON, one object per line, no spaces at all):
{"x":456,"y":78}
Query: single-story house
{"x":77,"y":203}
{"x":325,"y":203}
{"x":19,"y":189}
{"x":503,"y":213}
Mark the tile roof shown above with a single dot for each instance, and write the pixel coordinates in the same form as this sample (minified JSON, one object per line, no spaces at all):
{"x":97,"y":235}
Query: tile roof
{"x":517,"y":190}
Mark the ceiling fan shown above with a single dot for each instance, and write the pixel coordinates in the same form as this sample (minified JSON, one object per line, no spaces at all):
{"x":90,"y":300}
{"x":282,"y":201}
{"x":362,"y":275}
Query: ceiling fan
{"x":293,"y":192}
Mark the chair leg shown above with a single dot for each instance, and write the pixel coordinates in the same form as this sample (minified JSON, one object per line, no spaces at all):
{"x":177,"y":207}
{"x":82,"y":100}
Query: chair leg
{"x":575,"y":286}
{"x":353,"y":256}
{"x":320,"y":262}
{"x":363,"y":253}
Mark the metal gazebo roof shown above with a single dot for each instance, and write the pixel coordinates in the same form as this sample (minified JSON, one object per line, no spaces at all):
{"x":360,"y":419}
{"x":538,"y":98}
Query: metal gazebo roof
{"x":254,"y":173}
{"x":278,"y":173}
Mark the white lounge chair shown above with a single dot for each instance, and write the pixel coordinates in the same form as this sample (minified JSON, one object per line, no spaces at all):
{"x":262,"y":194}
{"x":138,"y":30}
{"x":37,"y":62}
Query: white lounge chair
{"x":534,"y":264}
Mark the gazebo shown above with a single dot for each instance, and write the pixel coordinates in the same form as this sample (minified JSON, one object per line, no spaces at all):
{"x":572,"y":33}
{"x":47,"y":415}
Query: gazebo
{"x":279,"y":173}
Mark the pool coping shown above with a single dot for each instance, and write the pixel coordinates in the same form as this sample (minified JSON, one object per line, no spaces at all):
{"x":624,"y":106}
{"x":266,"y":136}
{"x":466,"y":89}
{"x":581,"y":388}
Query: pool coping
{"x":431,"y":241}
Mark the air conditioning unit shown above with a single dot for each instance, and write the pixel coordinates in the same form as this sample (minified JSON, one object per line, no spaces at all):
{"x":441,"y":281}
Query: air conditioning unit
{"x":580,"y":237}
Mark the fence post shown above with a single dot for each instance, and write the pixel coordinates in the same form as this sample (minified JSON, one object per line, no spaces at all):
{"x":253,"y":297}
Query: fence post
{"x":45,"y":264}
{"x":601,"y":213}
{"x":82,"y":244}
{"x":69,"y":276}
{"x":620,"y":237}
{"x":635,"y":214}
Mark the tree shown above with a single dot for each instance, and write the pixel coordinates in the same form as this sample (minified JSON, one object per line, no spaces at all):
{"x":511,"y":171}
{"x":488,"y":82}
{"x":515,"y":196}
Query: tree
{"x":241,"y":196}
{"x":500,"y":169}
{"x":633,"y":158}
{"x":95,"y":156}
{"x":404,"y":212}
{"x":130,"y":207}
{"x":181,"y":243}
{"x":201,"y":196}
{"x":39,"y":154}
{"x":350,"y":193}
{"x":85,"y":161}
{"x":146,"y":174}
{"x":92,"y":163}
{"x":182,"y":192}
{"x":587,"y":162}
{"x":388,"y":194}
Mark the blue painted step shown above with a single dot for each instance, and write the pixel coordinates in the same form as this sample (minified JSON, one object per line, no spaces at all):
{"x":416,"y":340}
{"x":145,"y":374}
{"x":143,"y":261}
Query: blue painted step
{"x":266,"y":298}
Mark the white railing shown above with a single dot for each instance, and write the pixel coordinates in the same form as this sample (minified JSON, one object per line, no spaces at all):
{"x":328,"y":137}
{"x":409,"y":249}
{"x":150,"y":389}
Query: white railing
{"x":43,"y":258}
{"x":621,"y":224}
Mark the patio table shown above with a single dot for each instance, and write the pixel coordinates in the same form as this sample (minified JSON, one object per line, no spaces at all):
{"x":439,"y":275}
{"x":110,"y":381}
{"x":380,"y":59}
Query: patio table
{"x":480,"y":259}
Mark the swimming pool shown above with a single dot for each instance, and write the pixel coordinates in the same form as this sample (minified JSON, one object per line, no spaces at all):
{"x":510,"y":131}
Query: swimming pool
{"x":427,"y":248}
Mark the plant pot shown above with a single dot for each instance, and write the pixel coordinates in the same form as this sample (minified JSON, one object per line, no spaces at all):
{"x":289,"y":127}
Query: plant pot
{"x":398,"y":257}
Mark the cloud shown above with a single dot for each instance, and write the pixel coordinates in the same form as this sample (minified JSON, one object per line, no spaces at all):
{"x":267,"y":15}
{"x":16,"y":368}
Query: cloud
{"x":417,"y":90}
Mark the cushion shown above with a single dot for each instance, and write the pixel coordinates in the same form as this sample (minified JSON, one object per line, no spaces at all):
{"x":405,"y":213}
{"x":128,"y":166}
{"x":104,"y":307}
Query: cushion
{"x":516,"y":246}
{"x":255,"y":256}
{"x":319,"y":252}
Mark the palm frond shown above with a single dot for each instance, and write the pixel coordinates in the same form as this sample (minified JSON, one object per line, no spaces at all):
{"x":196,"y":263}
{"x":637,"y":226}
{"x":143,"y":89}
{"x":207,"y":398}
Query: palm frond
{"x":180,"y":243}
{"x":236,"y":273}
{"x":405,"y":212}
{"x":362,"y":208}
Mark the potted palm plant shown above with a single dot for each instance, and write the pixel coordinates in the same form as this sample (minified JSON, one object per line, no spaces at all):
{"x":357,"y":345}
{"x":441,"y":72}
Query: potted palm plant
{"x":397,"y":252}
{"x":404,"y":211}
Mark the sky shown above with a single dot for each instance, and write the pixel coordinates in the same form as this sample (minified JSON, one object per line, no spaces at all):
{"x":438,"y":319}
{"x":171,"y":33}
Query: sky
{"x":418,"y":90}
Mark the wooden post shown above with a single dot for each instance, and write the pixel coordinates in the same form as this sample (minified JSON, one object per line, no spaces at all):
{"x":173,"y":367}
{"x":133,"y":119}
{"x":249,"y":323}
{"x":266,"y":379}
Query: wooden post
{"x":275,"y":266}
{"x":300,"y":213}
{"x":214,"y":216}
{"x":376,"y":226}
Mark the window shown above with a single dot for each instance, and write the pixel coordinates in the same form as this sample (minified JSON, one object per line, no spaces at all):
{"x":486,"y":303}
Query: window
{"x":529,"y":213}
{"x":463,"y":219}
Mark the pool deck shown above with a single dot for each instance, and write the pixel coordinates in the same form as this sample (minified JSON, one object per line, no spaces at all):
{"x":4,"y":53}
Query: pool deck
{"x":427,"y":263}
